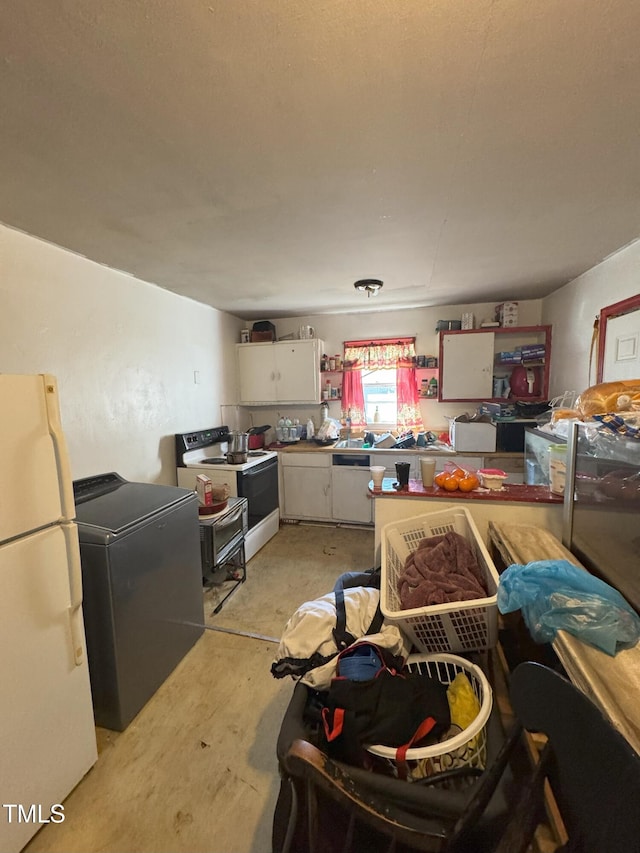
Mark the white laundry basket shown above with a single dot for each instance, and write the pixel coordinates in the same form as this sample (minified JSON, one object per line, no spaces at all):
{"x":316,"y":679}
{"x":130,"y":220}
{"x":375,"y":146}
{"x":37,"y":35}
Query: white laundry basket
{"x":460,"y":626}
{"x":466,"y":748}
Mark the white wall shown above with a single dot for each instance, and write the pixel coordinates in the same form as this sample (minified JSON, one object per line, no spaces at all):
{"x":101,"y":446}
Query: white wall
{"x":334,"y":329}
{"x":573,"y":308}
{"x":124,"y":353}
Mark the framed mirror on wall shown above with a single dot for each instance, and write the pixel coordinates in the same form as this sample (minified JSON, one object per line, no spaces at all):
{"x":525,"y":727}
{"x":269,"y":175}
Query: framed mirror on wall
{"x":619,"y":341}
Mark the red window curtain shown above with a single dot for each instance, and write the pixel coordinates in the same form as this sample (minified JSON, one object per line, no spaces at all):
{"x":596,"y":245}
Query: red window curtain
{"x":409,"y":416}
{"x":353,"y":397}
{"x":376,"y":355}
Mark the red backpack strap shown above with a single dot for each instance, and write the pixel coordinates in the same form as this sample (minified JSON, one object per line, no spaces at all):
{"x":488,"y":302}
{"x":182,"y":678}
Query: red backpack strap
{"x":332,"y":731}
{"x":401,"y":752}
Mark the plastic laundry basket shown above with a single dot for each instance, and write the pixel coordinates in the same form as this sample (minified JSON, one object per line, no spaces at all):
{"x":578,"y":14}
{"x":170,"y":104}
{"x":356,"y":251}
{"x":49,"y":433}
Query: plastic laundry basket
{"x":462,"y":626}
{"x":466,"y":748}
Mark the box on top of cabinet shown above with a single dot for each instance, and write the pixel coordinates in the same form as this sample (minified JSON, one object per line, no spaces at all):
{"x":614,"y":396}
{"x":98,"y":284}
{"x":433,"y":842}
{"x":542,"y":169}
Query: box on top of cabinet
{"x":475,"y":437}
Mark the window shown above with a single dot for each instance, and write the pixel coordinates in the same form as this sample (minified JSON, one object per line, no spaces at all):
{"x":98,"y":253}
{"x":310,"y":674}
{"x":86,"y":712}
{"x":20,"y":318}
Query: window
{"x":380,"y":375}
{"x":380,"y":394}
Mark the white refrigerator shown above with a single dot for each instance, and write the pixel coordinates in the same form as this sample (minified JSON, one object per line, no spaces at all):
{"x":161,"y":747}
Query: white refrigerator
{"x":47,"y":732}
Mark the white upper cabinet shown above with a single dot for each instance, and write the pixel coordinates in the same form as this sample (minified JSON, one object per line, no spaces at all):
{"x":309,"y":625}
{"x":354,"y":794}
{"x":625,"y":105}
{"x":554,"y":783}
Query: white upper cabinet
{"x":279,"y":372}
{"x":474,"y":361}
{"x":466,"y":367}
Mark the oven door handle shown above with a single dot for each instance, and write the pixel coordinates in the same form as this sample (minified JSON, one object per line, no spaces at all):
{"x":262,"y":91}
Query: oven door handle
{"x":260,"y":469}
{"x":228,"y":519}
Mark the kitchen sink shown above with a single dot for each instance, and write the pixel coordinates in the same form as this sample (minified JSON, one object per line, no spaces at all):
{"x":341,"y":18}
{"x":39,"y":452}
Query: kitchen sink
{"x":350,"y":443}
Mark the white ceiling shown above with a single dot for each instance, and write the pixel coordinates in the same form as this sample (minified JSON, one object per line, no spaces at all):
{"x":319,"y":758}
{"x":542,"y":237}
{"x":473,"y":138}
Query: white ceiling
{"x":261,"y":155}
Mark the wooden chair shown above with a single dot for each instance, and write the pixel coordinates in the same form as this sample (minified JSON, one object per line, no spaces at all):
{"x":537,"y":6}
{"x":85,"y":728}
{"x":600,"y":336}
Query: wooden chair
{"x":325,"y":806}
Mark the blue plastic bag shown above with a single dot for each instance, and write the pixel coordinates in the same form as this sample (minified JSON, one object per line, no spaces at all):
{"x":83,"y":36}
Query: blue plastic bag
{"x":554,"y":595}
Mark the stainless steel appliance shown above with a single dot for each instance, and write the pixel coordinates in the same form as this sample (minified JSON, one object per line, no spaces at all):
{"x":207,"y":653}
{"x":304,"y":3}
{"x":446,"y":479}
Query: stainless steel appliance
{"x":204,"y":452}
{"x":602,"y":506}
{"x":221,"y":533}
{"x":143,"y":588}
{"x":222,"y":546}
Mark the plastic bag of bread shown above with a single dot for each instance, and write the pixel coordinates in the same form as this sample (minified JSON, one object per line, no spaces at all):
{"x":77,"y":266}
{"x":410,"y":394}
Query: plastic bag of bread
{"x":620,"y":396}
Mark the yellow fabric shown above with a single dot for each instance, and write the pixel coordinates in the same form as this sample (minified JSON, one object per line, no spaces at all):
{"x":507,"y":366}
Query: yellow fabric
{"x":463,"y":702}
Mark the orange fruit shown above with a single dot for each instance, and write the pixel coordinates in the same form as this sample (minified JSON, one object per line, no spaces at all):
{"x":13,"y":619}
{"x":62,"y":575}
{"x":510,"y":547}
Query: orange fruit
{"x":451,"y":484}
{"x":458,"y":473}
{"x":469,"y":483}
{"x":441,"y":478}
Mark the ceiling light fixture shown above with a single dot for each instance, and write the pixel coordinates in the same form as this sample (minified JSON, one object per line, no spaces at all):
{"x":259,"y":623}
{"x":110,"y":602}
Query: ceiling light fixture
{"x":370,"y":285}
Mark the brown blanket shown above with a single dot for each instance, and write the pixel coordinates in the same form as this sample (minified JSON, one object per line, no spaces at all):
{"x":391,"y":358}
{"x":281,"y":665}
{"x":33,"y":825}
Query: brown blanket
{"x":442,"y":569}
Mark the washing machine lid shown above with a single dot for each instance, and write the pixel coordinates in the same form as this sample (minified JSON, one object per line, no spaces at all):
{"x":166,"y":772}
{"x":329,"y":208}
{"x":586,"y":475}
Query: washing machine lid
{"x":109,"y":503}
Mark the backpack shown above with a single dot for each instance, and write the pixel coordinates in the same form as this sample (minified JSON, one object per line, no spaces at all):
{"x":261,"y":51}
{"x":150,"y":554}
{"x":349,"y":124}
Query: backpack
{"x":395,"y":708}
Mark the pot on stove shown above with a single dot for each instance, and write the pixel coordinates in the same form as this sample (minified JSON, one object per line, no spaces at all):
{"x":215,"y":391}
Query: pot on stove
{"x":237,"y":447}
{"x":238,"y":442}
{"x":256,"y":437}
{"x":236,"y":458}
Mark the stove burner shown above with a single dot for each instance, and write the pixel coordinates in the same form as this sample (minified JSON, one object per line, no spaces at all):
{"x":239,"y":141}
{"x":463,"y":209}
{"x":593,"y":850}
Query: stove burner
{"x":214,"y":460}
{"x":257,"y":453}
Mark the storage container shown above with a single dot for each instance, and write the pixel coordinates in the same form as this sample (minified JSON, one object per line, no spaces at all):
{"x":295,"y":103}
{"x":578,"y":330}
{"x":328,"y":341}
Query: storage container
{"x":455,"y":627}
{"x":465,"y":749}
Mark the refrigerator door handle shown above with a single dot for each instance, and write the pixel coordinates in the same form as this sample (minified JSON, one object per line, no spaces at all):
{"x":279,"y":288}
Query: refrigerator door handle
{"x":65,"y":482}
{"x":75,"y":592}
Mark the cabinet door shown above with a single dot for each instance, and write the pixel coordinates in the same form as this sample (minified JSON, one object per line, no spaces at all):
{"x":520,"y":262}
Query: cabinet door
{"x":297,"y":372}
{"x":350,"y":500}
{"x":466,"y":368}
{"x":256,"y":373}
{"x":307,"y":492}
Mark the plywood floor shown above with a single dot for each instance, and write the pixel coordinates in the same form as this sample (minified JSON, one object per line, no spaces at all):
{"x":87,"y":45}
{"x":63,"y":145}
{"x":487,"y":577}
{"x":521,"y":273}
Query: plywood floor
{"x":195,"y":772}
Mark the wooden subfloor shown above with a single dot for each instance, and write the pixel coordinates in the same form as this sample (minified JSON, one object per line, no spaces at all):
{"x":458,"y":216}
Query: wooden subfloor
{"x":196,"y":772}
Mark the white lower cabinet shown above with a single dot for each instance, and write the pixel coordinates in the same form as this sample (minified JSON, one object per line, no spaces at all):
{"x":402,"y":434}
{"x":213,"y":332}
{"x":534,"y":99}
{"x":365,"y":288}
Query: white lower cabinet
{"x":306,"y":486}
{"x":350,"y":500}
{"x":313,"y":488}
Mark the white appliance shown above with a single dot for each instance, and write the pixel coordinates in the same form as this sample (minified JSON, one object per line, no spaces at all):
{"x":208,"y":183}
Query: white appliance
{"x":204,"y":452}
{"x":47,"y":732}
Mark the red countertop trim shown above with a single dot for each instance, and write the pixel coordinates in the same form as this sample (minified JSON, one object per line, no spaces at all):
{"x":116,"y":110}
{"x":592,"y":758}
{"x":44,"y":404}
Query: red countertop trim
{"x":513,"y":492}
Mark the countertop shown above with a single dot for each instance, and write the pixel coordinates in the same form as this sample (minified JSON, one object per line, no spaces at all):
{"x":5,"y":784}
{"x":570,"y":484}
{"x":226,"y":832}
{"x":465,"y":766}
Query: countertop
{"x":612,"y":682}
{"x":512,"y":492}
{"x":312,"y":447}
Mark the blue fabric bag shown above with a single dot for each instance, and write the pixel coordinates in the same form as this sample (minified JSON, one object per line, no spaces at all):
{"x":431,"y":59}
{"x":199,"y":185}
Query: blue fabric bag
{"x":556,"y":595}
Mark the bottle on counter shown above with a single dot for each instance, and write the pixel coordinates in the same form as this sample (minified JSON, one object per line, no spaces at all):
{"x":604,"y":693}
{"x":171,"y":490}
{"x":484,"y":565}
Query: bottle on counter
{"x":324,"y":412}
{"x":311,"y":430}
{"x":376,"y":416}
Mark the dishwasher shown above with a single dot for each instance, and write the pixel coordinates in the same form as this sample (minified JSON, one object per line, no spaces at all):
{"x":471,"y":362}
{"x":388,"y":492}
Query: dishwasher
{"x":350,"y":476}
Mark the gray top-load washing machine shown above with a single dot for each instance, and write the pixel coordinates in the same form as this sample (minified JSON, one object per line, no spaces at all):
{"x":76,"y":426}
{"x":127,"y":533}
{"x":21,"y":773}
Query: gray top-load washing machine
{"x":142,"y":587}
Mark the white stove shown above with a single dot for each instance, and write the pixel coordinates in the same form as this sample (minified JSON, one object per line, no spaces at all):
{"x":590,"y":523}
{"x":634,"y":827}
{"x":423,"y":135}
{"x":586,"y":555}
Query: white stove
{"x":214,"y":457}
{"x":203,"y":452}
